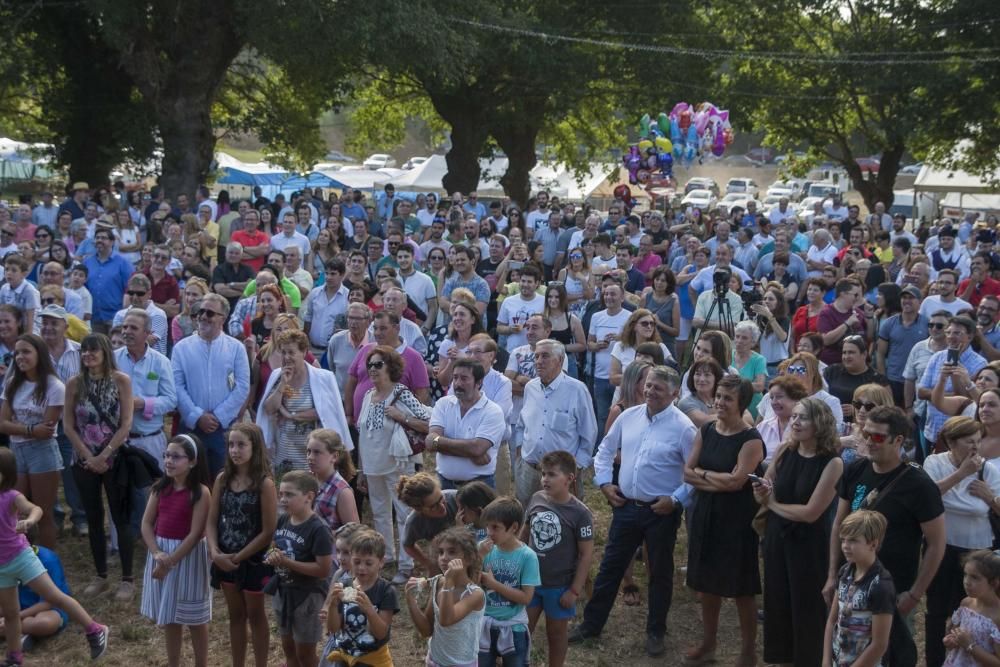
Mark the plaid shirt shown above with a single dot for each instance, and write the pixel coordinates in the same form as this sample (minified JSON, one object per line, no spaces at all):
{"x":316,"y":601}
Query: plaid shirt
{"x":325,"y":504}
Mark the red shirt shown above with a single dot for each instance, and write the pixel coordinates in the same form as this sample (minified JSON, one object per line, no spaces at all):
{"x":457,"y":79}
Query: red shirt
{"x":164,"y":290}
{"x":988,"y":286}
{"x":248,"y":240}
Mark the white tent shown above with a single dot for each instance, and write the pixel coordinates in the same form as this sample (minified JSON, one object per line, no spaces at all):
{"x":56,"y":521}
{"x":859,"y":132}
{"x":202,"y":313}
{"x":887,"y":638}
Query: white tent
{"x":939,"y":179}
{"x":425,"y":177}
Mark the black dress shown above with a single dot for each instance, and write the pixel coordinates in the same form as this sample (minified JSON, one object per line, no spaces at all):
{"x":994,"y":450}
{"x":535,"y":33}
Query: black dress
{"x":796,"y":556}
{"x":722,"y":546}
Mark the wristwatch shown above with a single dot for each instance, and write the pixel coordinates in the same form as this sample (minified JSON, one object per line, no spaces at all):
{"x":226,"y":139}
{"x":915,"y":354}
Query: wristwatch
{"x":434,"y":440}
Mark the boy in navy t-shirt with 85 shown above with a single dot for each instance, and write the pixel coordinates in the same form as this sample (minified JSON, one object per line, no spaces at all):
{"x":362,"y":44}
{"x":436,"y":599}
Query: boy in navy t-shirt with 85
{"x":510,"y":575}
{"x":560,"y":530}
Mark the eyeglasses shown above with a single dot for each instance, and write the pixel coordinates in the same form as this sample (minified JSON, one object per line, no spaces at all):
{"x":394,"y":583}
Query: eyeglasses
{"x":136,"y":293}
{"x":207,"y":314}
{"x":877,"y":438}
{"x":797,"y":370}
{"x":162,"y":258}
{"x":937,"y":325}
{"x":646,"y":323}
{"x":49,"y":301}
{"x":376,"y":365}
{"x":863,"y":404}
{"x":43,"y":236}
{"x":576,"y":255}
{"x":170,"y":456}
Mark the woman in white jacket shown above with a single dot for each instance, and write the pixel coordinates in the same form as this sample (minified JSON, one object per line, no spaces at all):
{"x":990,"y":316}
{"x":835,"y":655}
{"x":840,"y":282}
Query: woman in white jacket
{"x":297,"y":400}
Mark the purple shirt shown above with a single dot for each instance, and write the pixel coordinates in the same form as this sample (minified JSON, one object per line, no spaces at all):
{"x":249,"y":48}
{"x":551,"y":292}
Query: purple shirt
{"x":12,"y":543}
{"x":414,"y":374}
{"x":829,"y":319}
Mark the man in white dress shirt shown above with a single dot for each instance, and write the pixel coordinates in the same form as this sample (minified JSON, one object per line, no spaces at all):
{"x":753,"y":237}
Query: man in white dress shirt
{"x":557,"y":414}
{"x":138,"y":293}
{"x":466,"y":430}
{"x":654,"y":440}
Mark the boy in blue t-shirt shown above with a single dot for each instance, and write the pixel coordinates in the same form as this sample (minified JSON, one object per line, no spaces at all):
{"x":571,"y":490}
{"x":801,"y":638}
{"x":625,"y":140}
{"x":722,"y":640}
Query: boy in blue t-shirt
{"x":510,"y":574}
{"x":39,"y":619}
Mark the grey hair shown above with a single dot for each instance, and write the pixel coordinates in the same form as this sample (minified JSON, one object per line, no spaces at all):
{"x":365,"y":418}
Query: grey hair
{"x":749,"y":326}
{"x":219,"y":299}
{"x":557,"y":348}
{"x":665,"y":374}
{"x":147,"y":321}
{"x":235,"y":244}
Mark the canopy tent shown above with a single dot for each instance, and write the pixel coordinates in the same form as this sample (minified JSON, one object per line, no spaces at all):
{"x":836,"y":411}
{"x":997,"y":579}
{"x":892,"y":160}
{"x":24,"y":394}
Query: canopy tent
{"x":21,"y":161}
{"x":939,"y":179}
{"x":956,"y":204}
{"x":244,"y":176}
{"x":425,"y":177}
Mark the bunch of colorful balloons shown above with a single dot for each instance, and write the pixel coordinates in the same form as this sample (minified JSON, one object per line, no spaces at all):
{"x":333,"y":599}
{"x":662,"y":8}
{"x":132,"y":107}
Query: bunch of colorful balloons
{"x":682,"y":135}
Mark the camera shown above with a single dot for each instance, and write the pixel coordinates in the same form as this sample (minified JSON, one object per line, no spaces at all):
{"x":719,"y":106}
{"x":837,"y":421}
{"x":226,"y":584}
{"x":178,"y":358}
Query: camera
{"x":720,"y":281}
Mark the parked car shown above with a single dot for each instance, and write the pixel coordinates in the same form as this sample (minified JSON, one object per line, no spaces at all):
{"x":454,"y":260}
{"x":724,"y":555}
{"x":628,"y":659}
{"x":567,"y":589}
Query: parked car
{"x":337,"y":156}
{"x":761,"y":155}
{"x":789,"y":189}
{"x":823,"y":190}
{"x":379,"y":161}
{"x":703,"y":199}
{"x":912,"y":169}
{"x":734,"y":199}
{"x":868,"y":164}
{"x":794,"y":155}
{"x":746,"y":186}
{"x":702,"y":183}
{"x":414,"y":162}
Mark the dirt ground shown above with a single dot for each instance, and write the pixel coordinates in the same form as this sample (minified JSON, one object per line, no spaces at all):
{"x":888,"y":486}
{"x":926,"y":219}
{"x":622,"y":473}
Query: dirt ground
{"x":136,"y":642}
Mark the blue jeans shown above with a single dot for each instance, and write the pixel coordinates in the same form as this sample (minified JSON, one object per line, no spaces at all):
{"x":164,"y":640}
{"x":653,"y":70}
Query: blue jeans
{"x":215,"y":445}
{"x":489,"y":480}
{"x":77,"y":514}
{"x":517,"y":658}
{"x":604,"y":393}
{"x":631,"y":526}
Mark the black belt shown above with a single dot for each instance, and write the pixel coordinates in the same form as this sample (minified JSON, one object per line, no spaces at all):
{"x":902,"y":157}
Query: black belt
{"x":145,"y":435}
{"x":640,"y":503}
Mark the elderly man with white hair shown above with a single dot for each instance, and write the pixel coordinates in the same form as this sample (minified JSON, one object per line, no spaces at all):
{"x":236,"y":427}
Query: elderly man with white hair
{"x":394,"y":301}
{"x":557,"y":414}
{"x":820,"y":254}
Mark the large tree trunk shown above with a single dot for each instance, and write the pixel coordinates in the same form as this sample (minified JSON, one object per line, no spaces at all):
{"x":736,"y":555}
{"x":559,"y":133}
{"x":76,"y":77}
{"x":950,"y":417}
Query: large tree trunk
{"x":180,"y":78}
{"x":468,"y":135}
{"x":188,"y":142}
{"x":875,"y":188}
{"x":518,"y":142}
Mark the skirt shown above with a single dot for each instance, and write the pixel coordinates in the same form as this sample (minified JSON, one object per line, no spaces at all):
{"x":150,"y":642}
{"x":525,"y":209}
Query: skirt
{"x":183,"y":596}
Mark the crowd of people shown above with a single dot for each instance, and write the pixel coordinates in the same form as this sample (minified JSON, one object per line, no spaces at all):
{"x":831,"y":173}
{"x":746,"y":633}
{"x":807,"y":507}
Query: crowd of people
{"x":232,"y":381}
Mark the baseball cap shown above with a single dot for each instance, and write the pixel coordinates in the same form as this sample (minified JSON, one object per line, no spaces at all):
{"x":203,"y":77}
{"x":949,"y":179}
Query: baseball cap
{"x":913,"y":291}
{"x":948,"y":230}
{"x":52,"y":310}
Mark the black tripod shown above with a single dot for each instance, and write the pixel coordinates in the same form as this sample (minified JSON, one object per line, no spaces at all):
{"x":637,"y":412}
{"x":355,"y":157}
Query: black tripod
{"x":721,"y":305}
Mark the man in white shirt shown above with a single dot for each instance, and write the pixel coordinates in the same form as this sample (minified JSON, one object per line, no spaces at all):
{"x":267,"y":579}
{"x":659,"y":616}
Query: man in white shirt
{"x":540,"y":216}
{"x":821,"y":253}
{"x":899,"y":229}
{"x":212,"y":378}
{"x":515,"y":310}
{"x":418,"y":286}
{"x":497,"y":217}
{"x":394,"y":301}
{"x":654,"y":441}
{"x":325,"y":304}
{"x":722,"y":237}
{"x":835,"y":209}
{"x":466,"y":429}
{"x":557,"y":414}
{"x":605,"y":328}
{"x":295,"y":272}
{"x":781,"y":212}
{"x":426,"y":215}
{"x":289,"y":236}
{"x":46,"y":213}
{"x":880,"y":219}
{"x":945,"y":299}
{"x":138,"y":294}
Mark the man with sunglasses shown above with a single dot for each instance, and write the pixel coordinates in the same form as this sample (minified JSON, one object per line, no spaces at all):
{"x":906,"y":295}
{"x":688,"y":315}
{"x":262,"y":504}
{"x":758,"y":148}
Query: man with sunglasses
{"x":958,"y":336}
{"x":138,"y":296}
{"x":212,"y":378}
{"x":912,"y":506}
{"x":53,"y":273}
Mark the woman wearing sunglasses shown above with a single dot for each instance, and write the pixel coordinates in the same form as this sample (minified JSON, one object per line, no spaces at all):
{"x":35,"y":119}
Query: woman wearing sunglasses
{"x":852,"y":372}
{"x":866,"y":398}
{"x":388,"y":408}
{"x":805,"y":366}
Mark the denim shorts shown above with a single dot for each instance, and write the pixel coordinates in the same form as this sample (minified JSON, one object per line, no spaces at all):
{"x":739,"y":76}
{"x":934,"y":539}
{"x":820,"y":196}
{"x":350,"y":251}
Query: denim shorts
{"x":23,"y":568}
{"x":547,"y":597}
{"x":37,"y":456}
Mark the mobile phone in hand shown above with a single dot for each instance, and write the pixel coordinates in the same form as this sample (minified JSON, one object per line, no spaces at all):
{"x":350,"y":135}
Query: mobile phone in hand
{"x":756,"y":479}
{"x":952,"y":357}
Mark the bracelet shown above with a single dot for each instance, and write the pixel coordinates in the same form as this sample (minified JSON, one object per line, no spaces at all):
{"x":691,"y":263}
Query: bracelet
{"x":704,"y":475}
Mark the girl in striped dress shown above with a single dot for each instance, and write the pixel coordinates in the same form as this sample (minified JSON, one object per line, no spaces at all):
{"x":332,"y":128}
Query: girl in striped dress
{"x":175,"y":589}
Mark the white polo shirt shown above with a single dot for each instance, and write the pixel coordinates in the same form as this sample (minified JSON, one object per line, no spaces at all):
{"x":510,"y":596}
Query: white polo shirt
{"x":483,"y":420}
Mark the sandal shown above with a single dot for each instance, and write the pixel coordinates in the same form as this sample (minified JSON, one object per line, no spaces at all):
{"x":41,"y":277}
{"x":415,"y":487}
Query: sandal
{"x":631,"y":594}
{"x":699,"y":656}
